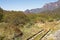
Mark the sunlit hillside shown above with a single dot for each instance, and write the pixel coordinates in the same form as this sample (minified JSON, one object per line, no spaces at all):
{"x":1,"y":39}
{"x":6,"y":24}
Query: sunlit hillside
{"x":17,"y":25}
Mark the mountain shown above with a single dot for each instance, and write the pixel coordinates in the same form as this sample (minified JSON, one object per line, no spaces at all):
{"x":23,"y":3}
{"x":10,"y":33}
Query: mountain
{"x":48,"y":6}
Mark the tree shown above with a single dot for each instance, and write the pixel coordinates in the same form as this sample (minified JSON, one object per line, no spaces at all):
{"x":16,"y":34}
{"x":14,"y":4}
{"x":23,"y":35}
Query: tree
{"x":1,"y":14}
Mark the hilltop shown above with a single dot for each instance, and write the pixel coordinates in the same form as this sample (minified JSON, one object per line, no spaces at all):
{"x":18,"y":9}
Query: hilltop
{"x":48,"y":6}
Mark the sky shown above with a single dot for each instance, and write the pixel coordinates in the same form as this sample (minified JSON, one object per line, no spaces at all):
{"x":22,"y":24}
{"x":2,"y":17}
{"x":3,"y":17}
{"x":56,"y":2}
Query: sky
{"x":22,"y":5}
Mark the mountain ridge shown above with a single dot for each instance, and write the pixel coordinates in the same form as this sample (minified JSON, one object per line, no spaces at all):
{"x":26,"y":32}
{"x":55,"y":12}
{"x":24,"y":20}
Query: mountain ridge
{"x":48,"y":6}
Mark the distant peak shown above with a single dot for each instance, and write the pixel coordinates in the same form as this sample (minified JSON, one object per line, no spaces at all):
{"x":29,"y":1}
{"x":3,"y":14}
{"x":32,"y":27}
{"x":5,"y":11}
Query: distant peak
{"x":48,"y":6}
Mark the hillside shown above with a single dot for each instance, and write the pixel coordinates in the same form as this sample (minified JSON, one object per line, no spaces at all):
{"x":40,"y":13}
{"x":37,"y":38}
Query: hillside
{"x":17,"y":25}
{"x":48,"y":6}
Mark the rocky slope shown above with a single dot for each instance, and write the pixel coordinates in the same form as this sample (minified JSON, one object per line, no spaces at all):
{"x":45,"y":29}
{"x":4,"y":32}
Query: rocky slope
{"x":48,"y":6}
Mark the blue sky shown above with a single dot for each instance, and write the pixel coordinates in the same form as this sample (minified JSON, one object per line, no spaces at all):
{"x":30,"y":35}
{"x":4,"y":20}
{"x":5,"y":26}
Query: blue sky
{"x":23,"y":4}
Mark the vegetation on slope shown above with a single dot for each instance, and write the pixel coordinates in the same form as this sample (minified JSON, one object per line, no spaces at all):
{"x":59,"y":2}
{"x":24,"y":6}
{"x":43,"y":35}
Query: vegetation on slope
{"x":20,"y":26}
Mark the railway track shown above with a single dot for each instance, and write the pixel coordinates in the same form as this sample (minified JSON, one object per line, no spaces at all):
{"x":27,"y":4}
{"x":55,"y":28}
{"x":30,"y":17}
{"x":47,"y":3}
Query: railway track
{"x":40,"y":35}
{"x":32,"y":37}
